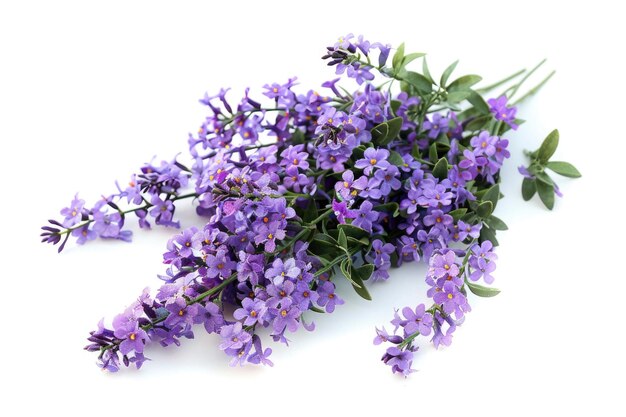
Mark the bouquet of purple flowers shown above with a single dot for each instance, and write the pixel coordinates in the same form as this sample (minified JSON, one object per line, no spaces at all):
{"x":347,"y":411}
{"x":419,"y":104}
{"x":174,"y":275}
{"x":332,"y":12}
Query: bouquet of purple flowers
{"x":313,"y":187}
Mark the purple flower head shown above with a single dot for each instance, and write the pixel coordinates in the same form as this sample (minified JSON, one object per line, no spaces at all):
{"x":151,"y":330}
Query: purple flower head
{"x":349,"y":188}
{"x":434,"y":195}
{"x":444,"y":264}
{"x":482,"y":261}
{"x":286,"y":317}
{"x":399,"y":360}
{"x":451,"y":299}
{"x":268,"y":233}
{"x":438,"y":218}
{"x":294,"y":156}
{"x":341,"y":211}
{"x":107,"y":225}
{"x":462,"y":230}
{"x":220,"y":265}
{"x":382,"y":336}
{"x":181,"y":313}
{"x":373,"y":158}
{"x":365,"y":216}
{"x":233,"y":336}
{"x":212,"y":318}
{"x":498,"y":106}
{"x":388,"y":179}
{"x":134,"y":338}
{"x":252,"y":311}
{"x":484,"y":144}
{"x":84,"y":234}
{"x":327,"y":297}
{"x":280,"y":270}
{"x":417,"y":320}
{"x":408,"y":249}
{"x":73,"y":213}
{"x":380,"y":254}
{"x":437,"y":125}
{"x":185,"y":240}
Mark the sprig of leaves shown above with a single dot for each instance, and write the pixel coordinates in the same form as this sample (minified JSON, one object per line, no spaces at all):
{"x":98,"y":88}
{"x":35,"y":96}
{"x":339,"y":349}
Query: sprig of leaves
{"x":540,"y":182}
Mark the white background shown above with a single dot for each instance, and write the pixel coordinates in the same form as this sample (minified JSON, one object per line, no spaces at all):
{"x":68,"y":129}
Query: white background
{"x":89,"y":92}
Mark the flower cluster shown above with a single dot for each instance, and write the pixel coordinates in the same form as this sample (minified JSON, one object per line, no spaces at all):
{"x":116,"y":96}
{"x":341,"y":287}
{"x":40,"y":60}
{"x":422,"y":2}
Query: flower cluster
{"x":312,"y":187}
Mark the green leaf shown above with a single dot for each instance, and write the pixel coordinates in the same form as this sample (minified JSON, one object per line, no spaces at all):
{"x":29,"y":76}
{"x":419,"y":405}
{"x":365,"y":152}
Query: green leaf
{"x":488,"y":234}
{"x":548,"y":147}
{"x":528,"y":189}
{"x":481,"y":290}
{"x":395,"y":105}
{"x":396,"y":61}
{"x":426,"y":71}
{"x":458,"y":213}
{"x":458,"y":96}
{"x":545,"y":178}
{"x":316,"y":309}
{"x":346,"y":269}
{"x":358,"y":152}
{"x":395,"y":159}
{"x":564,"y":168}
{"x":495,"y":223}
{"x":546,"y":194}
{"x":478,"y":123}
{"x":358,"y":275}
{"x":493,"y":195}
{"x":441,"y":169}
{"x":415,"y":151}
{"x":411,"y":57}
{"x":478,"y":102}
{"x":395,"y":126}
{"x":310,"y":213}
{"x":353,"y":231}
{"x":392,"y":208}
{"x":463,"y":83}
{"x":380,"y":132}
{"x":297,"y":137}
{"x":484,"y":209}
{"x":421,"y":83}
{"x":448,"y":71}
{"x":342,"y":240}
{"x":432,"y":153}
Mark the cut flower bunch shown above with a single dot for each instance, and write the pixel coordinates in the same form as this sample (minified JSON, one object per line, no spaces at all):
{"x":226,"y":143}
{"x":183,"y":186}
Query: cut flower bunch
{"x":302,"y":188}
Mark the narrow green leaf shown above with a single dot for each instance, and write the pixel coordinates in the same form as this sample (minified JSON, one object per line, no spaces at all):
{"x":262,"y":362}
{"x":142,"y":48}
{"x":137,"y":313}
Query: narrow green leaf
{"x":342,"y":240}
{"x":548,"y":147}
{"x":426,"y":71}
{"x":421,"y":83}
{"x":463,"y":83}
{"x":458,"y":96}
{"x":458,"y":213}
{"x":478,"y":102}
{"x":394,"y":125}
{"x":493,"y":195}
{"x":395,"y":159}
{"x":358,"y":152}
{"x":481,"y":290}
{"x":546,"y":194}
{"x":564,"y":168}
{"x":441,"y":169}
{"x":353,"y":231}
{"x":391,"y":207}
{"x":396,"y":61}
{"x":358,"y":275}
{"x":496,"y":223}
{"x":379,"y":133}
{"x":484,"y":209}
{"x":528,"y":189}
{"x":478,"y":123}
{"x":346,"y":269}
{"x":297,"y":137}
{"x":310,"y":213}
{"x":432,"y":153}
{"x":447,"y":72}
{"x":545,"y":178}
{"x":488,"y":234}
{"x":411,"y":57}
{"x":395,"y":105}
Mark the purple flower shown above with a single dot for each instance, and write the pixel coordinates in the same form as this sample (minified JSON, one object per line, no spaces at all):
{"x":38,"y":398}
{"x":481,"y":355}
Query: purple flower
{"x":268,"y":234}
{"x":382,"y":336}
{"x":399,"y":360}
{"x":484,"y":144}
{"x":107,"y":225}
{"x":444,"y":264}
{"x":220,"y":265}
{"x":185,"y":240}
{"x":293,"y":156}
{"x":501,"y":112}
{"x":482,"y":261}
{"x":437,"y":125}
{"x":437,"y":218}
{"x":410,"y":204}
{"x":84,"y":234}
{"x":373,"y":158}
{"x":450,"y":299}
{"x":327,"y":296}
{"x":417,"y":320}
{"x":408,"y":249}
{"x":462,"y":230}
{"x":365,"y":216}
{"x":73,"y":213}
{"x":342,"y":212}
{"x":388,"y":179}
{"x":233,"y":336}
{"x":134,"y":338}
{"x":279,"y":270}
{"x":286,"y":318}
{"x":212,"y":318}
{"x":252,"y":311}
{"x":349,"y":188}
{"x":434,"y":195}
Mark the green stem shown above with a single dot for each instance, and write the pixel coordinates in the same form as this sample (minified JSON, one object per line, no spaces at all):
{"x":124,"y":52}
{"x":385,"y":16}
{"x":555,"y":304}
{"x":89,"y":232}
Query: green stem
{"x":534,"y":90}
{"x":320,"y":217}
{"x":518,"y":85}
{"x":213,"y":290}
{"x":499,"y":83}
